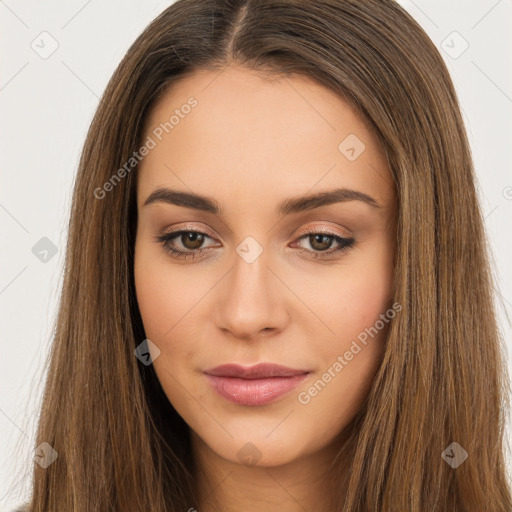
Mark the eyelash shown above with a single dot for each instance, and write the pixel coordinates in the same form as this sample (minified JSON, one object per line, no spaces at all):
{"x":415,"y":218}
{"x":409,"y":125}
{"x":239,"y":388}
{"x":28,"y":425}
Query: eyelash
{"x":345,"y":244}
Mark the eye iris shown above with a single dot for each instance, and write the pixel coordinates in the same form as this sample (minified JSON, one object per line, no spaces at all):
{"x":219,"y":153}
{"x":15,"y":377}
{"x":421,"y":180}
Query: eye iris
{"x":324,"y":244}
{"x":196,"y":239}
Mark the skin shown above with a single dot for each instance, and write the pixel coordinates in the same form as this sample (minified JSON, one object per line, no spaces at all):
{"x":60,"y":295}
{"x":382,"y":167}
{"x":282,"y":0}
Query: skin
{"x":252,"y":141}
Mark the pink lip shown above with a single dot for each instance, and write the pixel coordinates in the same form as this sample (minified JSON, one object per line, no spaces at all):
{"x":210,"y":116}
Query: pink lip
{"x":255,"y":385}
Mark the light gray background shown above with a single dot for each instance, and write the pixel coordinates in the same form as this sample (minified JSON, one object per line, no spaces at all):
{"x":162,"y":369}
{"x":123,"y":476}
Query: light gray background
{"x":47,"y":104}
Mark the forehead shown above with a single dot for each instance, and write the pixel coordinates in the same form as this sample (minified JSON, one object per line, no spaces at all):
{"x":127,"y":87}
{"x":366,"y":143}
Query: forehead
{"x":254,"y":134}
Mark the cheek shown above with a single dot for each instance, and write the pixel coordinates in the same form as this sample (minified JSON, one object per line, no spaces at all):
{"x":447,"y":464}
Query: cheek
{"x":153,"y":300}
{"x":368,"y":289}
{"x":350,"y":360}
{"x":349,"y":301}
{"x":164,"y":294}
{"x":368,"y":298}
{"x":166,"y":298}
{"x":169,"y":301}
{"x":357,"y":307}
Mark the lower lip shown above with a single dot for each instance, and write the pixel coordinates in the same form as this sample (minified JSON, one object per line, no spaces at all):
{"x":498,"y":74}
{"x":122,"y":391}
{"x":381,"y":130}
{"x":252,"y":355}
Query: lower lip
{"x":254,"y":392}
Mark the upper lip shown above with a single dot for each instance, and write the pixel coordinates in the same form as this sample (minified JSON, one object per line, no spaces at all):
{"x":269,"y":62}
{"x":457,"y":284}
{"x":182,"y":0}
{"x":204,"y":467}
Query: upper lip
{"x":257,"y":371}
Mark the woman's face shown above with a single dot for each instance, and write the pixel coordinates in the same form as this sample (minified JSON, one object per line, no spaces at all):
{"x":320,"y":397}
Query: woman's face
{"x":272,"y":276}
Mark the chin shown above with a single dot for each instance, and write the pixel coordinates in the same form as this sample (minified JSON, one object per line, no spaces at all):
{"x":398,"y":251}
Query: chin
{"x":255,"y":447}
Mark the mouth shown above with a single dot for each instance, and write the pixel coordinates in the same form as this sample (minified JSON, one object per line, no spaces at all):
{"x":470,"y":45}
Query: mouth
{"x":256,"y":385}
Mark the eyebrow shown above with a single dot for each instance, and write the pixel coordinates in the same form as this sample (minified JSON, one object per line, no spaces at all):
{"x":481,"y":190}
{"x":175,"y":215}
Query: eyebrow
{"x":289,"y":206}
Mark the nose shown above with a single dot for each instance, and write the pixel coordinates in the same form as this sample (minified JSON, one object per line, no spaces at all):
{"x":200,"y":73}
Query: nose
{"x":250,"y":303}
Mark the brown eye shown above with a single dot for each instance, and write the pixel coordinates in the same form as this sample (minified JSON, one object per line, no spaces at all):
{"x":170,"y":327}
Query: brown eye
{"x":320,"y":242}
{"x":192,"y":240}
{"x":181,"y":244}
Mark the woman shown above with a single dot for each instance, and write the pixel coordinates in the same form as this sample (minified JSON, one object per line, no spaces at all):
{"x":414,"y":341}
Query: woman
{"x":277,"y":294}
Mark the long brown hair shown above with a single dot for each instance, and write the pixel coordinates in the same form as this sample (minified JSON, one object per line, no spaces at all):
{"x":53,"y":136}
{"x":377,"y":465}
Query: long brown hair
{"x":121,"y":445}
